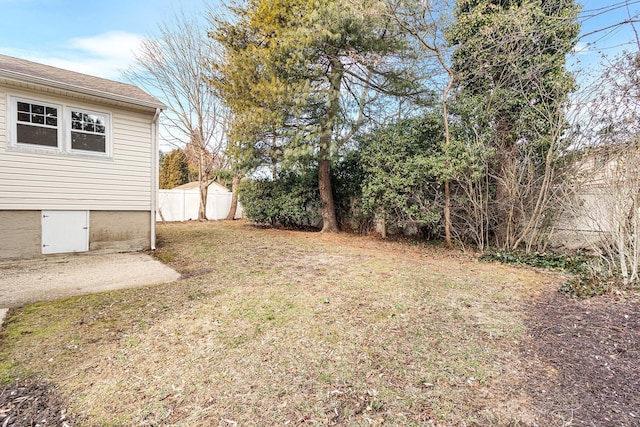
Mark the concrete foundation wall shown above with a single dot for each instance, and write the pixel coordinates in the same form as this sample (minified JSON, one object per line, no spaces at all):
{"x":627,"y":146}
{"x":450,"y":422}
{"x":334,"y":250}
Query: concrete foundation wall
{"x":110,"y":231}
{"x":20,"y":234}
{"x":119,"y":231}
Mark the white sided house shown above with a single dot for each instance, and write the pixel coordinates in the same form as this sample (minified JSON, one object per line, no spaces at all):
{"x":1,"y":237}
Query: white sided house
{"x":78,"y":162}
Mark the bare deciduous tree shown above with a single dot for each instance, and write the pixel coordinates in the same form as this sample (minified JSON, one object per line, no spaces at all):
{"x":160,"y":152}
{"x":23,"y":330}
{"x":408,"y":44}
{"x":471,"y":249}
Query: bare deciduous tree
{"x":605,"y":210}
{"x":176,"y":67}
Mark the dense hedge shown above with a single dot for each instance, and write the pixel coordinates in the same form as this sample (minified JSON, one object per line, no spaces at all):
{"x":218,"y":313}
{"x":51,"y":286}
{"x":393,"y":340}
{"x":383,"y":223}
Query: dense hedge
{"x":292,"y":200}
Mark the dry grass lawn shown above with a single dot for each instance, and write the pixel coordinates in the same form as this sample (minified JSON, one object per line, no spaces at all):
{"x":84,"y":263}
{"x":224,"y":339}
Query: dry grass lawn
{"x":272,"y":327}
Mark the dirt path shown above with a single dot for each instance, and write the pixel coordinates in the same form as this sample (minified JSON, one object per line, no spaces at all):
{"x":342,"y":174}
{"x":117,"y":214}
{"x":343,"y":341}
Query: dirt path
{"x":583,"y":360}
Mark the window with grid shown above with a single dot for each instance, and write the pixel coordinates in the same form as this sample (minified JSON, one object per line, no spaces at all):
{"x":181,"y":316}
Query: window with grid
{"x":88,"y":131}
{"x":37,"y":124}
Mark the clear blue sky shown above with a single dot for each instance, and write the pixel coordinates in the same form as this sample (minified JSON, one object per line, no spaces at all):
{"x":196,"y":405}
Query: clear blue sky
{"x":97,"y":36}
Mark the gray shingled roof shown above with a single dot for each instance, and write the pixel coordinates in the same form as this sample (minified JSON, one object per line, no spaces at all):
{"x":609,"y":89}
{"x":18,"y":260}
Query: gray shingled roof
{"x":33,"y":72}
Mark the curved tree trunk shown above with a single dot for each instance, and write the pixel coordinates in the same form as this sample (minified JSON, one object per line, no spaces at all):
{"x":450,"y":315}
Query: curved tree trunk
{"x":234,"y":198}
{"x":329,"y":220}
{"x":447,"y":138}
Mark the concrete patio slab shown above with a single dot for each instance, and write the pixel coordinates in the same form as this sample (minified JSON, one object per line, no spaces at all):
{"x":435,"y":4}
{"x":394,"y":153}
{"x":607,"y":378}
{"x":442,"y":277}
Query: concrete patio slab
{"x":45,"y":279}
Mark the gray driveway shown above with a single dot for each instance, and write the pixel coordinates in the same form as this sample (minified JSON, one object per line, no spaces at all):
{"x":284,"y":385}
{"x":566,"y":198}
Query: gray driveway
{"x":45,"y":279}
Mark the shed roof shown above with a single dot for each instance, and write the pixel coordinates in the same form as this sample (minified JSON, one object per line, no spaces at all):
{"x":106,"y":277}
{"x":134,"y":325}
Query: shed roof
{"x":36,"y":73}
{"x":213,"y":186}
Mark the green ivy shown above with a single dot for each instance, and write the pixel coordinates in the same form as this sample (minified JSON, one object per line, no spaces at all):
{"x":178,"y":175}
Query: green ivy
{"x":586,"y":286}
{"x":588,"y":279}
{"x":571,"y":263}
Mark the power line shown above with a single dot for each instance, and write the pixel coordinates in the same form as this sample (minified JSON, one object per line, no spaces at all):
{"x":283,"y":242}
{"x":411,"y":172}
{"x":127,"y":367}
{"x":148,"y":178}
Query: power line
{"x":586,"y":14}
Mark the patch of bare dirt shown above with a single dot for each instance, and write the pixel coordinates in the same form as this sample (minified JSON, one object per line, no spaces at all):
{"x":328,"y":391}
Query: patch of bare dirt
{"x":584,"y":357}
{"x":32,"y":403}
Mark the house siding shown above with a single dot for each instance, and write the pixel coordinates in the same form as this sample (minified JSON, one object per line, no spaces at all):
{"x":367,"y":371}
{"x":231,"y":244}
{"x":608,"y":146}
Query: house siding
{"x":32,"y":180}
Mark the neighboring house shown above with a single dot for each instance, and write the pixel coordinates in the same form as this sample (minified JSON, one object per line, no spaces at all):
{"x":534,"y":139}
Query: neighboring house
{"x":78,"y":162}
{"x":183,"y":202}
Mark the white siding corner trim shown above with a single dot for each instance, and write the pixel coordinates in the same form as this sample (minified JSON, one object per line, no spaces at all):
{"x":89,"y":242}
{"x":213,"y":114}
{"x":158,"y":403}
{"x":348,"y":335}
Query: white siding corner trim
{"x":154,"y":176}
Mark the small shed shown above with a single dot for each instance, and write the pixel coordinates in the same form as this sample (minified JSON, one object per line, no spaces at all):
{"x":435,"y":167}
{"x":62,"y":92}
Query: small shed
{"x":183,"y":202}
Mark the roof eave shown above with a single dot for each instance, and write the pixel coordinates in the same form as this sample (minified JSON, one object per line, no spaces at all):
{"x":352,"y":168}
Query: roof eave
{"x":26,"y":78}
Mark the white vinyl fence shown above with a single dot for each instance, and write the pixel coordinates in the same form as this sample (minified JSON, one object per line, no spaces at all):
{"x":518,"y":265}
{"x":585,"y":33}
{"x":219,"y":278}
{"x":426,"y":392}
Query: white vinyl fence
{"x":183,"y":204}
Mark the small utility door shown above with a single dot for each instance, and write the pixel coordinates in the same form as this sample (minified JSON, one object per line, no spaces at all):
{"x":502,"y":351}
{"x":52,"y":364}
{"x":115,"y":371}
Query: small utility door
{"x":65,"y":231}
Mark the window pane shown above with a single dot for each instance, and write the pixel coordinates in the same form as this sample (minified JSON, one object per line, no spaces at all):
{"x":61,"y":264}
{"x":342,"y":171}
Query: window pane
{"x":100,"y":129}
{"x":37,"y":109}
{"x":37,"y":135}
{"x":89,"y":127}
{"x":37,"y":119}
{"x":88,"y":142}
{"x":52,"y":112}
{"x":76,"y":125}
{"x":52,"y":121}
{"x":24,"y":117}
{"x":76,"y":116}
{"x":23,"y":106}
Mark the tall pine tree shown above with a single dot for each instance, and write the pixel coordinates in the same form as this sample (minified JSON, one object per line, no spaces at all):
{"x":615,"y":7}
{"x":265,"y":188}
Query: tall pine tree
{"x":290,"y":68}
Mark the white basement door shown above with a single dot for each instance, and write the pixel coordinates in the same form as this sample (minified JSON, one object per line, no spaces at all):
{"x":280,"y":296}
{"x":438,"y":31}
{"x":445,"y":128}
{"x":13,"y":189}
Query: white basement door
{"x":65,"y":231}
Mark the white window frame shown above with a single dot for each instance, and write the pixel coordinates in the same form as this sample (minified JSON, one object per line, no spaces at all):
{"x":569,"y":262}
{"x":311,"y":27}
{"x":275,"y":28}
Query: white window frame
{"x":69,"y":110}
{"x":64,"y":128}
{"x":13,"y":124}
